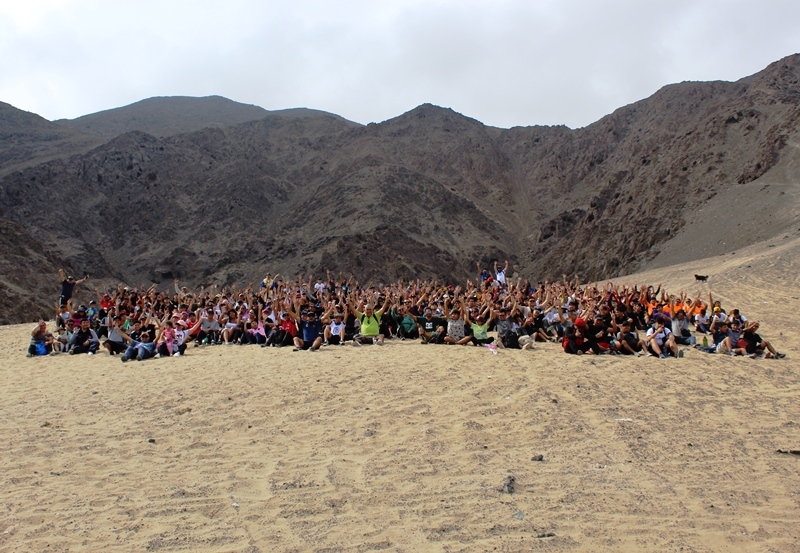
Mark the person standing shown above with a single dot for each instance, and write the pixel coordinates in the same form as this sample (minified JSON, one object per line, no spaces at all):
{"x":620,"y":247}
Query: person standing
{"x":68,"y":284}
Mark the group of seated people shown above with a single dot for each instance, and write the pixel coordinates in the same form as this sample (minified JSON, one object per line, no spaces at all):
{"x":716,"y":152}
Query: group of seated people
{"x":308,"y":314}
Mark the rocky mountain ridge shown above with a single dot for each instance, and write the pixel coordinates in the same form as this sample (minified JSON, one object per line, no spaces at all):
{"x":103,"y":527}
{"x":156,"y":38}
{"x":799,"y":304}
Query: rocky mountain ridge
{"x":425,"y":194}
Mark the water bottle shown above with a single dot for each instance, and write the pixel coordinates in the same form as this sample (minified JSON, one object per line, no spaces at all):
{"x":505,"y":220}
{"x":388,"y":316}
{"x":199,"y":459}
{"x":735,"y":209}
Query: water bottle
{"x":705,"y":341}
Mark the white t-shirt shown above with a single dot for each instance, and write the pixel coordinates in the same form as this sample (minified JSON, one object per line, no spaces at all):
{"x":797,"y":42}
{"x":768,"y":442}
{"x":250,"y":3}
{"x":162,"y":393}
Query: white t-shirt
{"x":662,"y":336}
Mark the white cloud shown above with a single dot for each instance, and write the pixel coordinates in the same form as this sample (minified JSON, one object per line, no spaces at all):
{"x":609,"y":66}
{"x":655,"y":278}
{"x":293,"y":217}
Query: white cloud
{"x":505,"y":62}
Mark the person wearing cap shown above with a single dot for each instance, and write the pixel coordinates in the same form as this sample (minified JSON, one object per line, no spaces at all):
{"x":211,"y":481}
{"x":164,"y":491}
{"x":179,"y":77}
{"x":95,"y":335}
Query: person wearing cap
{"x":209,"y":329}
{"x":574,"y":341}
{"x":141,"y":349}
{"x":480,"y":325}
{"x":628,"y":341}
{"x":68,"y":284}
{"x":310,"y":327}
{"x":598,"y":335}
{"x":508,"y":326}
{"x":334,"y":331}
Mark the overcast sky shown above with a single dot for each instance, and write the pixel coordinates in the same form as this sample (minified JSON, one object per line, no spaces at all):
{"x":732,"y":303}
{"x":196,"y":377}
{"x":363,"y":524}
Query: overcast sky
{"x":504,"y":63}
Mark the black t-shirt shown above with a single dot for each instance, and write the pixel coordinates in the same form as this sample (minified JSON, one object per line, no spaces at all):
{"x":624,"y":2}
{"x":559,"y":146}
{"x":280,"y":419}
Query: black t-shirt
{"x":430,"y":325}
{"x":67,"y":288}
{"x":753,"y":340}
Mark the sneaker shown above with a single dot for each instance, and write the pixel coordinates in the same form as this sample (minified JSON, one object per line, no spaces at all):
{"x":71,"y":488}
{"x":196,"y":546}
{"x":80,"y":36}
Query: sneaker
{"x":325,"y":343}
{"x":779,"y":355}
{"x":91,"y":353}
{"x":424,"y":341}
{"x":71,"y":352}
{"x":176,"y":354}
{"x":124,"y":359}
{"x":158,"y":356}
{"x":374,"y":341}
{"x":29,"y":355}
{"x":751,"y":355}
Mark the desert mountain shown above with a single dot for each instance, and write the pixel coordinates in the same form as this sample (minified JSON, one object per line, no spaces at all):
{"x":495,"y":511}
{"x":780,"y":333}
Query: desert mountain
{"x":694,"y":170}
{"x":28,"y":139}
{"x":168,"y":116}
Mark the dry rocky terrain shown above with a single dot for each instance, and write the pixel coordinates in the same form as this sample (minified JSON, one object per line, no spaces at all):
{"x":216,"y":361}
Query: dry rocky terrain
{"x":209,"y":190}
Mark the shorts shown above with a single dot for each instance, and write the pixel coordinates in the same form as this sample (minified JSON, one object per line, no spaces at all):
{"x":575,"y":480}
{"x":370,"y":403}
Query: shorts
{"x":115,"y":347}
{"x":335,"y":340}
{"x":723,"y":348}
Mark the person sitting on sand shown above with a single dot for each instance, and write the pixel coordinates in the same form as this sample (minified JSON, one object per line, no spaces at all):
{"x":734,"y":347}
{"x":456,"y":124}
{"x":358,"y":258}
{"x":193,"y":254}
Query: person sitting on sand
{"x":702,"y":322}
{"x":334,"y":331}
{"x":680,"y":329}
{"x":628,"y":341}
{"x":41,"y":340}
{"x":84,"y":340}
{"x":431,"y":328}
{"x":574,"y":341}
{"x":480,"y":325}
{"x":756,"y":346}
{"x":455,"y":326}
{"x":404,"y":321}
{"x":115,"y":343}
{"x":370,"y":319}
{"x":141,"y":349}
{"x":660,"y":340}
{"x":310,"y":327}
{"x":723,"y":343}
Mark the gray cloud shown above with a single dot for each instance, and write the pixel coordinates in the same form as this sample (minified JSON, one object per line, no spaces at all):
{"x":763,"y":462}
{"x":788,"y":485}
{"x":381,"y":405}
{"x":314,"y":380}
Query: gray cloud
{"x":505,"y":63}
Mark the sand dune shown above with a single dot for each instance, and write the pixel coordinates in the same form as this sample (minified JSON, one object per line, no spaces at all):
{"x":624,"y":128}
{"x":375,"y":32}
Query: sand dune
{"x":405,"y":447}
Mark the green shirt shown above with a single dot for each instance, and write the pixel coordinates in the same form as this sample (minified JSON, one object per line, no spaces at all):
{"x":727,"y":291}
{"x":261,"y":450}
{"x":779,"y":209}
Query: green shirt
{"x":479,"y":331}
{"x":371,"y":326}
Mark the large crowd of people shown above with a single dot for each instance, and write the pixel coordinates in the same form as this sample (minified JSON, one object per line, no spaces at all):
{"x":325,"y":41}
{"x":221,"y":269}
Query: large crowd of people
{"x":308,"y":314}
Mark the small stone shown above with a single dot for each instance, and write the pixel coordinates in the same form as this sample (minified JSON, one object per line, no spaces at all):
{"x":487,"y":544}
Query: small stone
{"x":152,"y":440}
{"x":537,"y":458}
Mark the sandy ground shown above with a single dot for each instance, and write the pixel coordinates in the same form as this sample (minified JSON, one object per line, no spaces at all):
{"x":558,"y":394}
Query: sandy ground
{"x":406,"y":447}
